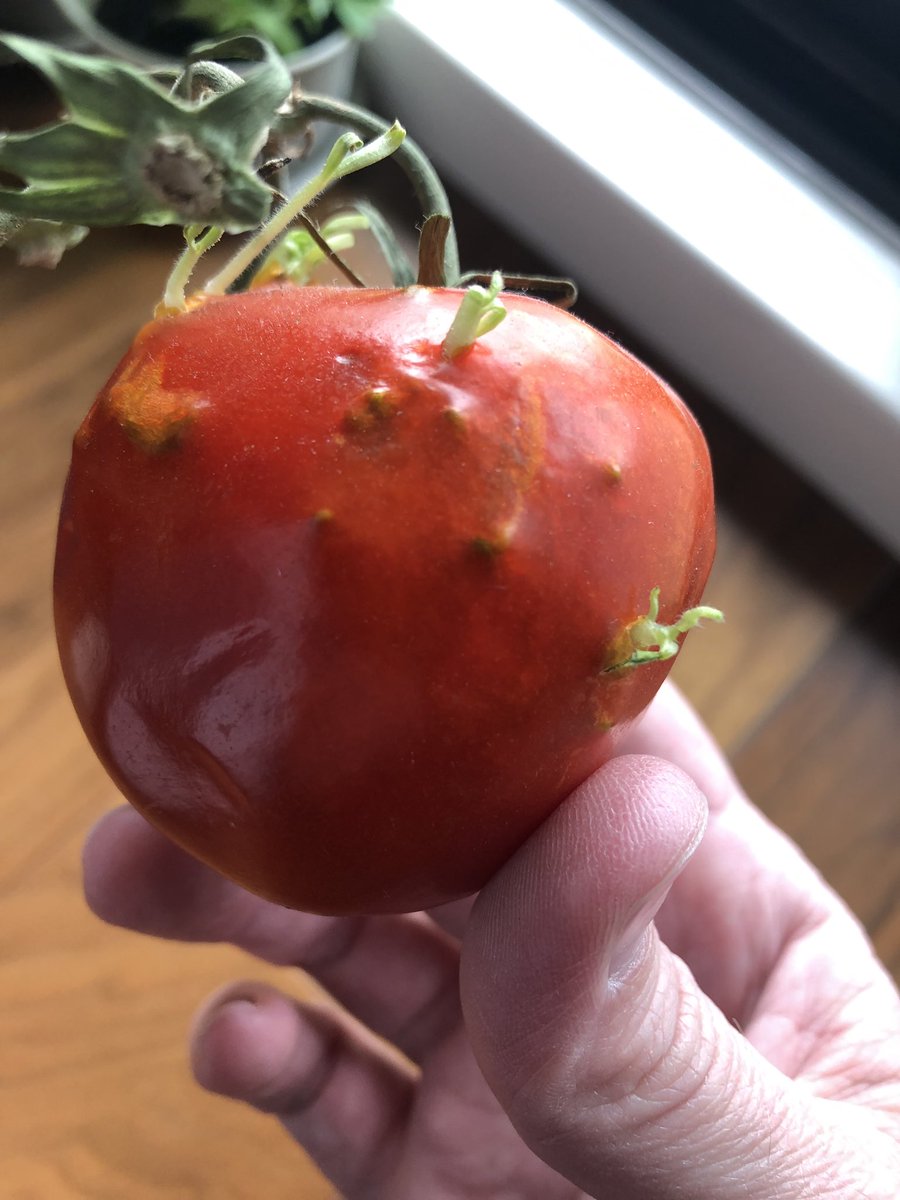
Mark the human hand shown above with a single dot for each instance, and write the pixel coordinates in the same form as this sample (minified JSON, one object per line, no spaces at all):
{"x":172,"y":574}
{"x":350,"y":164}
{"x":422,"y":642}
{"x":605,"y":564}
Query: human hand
{"x":746,"y":1043}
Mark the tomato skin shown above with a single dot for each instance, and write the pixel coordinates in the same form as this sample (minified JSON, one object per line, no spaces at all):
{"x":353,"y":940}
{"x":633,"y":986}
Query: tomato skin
{"x":335,"y":611}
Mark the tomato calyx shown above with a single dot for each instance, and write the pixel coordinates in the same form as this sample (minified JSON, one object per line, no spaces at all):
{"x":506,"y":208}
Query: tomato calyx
{"x":648,"y":640}
{"x":135,"y":148}
{"x":192,"y":148}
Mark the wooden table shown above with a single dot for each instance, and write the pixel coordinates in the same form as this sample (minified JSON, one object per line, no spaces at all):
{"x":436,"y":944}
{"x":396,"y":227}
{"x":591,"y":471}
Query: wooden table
{"x":802,"y":685}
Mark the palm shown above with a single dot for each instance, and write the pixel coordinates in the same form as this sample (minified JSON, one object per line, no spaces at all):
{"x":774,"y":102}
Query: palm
{"x":459,"y":1142}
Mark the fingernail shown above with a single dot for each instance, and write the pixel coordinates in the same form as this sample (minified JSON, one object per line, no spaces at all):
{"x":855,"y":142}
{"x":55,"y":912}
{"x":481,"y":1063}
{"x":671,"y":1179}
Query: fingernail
{"x":238,"y":1005}
{"x":223,"y":1003}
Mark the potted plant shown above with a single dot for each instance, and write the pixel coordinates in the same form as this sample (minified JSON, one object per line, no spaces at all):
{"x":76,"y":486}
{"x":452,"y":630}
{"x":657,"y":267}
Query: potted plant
{"x":318,"y":38}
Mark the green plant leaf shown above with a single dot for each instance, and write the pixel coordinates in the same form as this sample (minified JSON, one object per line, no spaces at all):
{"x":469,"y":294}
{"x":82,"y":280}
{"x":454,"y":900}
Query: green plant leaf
{"x":130,"y":152}
{"x":281,"y":21}
{"x":358,"y":17}
{"x":312,"y":15}
{"x":243,"y":115}
{"x":274,"y":20}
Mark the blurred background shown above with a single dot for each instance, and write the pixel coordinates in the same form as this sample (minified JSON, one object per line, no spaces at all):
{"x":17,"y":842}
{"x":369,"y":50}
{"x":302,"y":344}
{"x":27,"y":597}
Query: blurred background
{"x":719,"y":179}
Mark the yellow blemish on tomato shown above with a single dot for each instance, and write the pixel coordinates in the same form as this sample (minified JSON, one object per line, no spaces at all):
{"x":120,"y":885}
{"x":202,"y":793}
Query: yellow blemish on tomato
{"x":379,"y":403}
{"x":162,"y":311}
{"x":524,"y":457}
{"x":488,"y":547}
{"x":373,"y":415}
{"x":152,"y":415}
{"x":603,"y":721}
{"x":270,"y":272}
{"x":453,"y":417}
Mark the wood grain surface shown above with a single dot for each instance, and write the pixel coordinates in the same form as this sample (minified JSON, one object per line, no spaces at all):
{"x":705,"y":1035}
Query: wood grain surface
{"x":802,"y":685}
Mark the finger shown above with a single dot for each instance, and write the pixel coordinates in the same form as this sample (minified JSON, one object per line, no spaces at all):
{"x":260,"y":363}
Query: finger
{"x":453,"y":917}
{"x":826,"y":982}
{"x":743,"y":865}
{"x":610,"y":1061}
{"x":757,"y":971}
{"x":398,"y":975}
{"x":335,"y":1090}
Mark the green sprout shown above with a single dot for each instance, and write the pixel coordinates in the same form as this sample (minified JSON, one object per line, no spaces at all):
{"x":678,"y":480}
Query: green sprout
{"x":348,"y":155}
{"x":294,"y":258}
{"x":479,"y":312}
{"x":651,"y":641}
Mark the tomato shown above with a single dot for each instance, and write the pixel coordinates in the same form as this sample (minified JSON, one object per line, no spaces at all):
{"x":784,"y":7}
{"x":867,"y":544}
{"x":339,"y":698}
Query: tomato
{"x":343,"y":616}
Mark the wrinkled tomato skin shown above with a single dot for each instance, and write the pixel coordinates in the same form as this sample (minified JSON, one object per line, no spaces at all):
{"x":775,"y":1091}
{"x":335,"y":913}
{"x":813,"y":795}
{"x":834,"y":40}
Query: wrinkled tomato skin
{"x":336,"y":612}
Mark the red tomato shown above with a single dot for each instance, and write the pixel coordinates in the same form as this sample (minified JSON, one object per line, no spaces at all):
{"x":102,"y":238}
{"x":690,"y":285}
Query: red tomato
{"x":336,"y":612}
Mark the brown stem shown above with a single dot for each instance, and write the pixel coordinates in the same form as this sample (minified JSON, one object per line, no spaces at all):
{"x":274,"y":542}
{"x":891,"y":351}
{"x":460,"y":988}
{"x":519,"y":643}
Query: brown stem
{"x":332,"y":255}
{"x":432,"y":250}
{"x":562,"y":293}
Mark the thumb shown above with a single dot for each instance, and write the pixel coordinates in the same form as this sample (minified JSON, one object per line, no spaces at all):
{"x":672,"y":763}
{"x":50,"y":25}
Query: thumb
{"x":612,"y":1064}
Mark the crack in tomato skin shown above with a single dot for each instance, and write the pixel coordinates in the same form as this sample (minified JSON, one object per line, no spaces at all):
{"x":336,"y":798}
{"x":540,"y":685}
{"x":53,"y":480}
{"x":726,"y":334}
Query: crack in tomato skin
{"x":435,"y":593}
